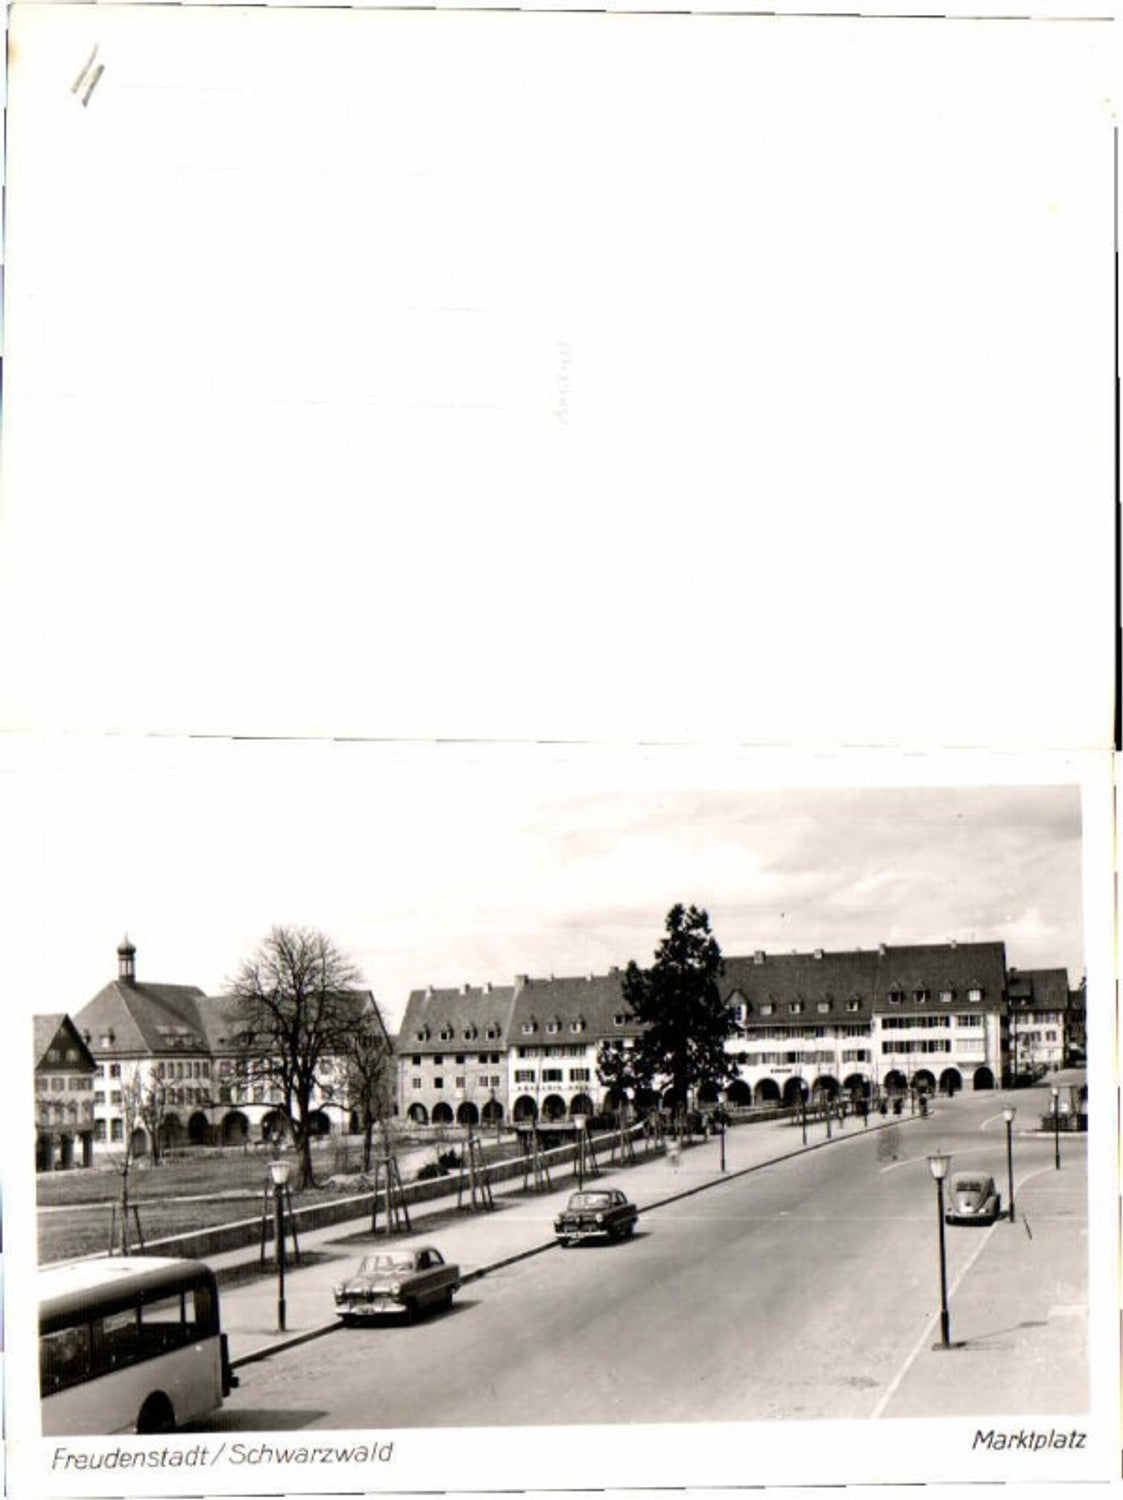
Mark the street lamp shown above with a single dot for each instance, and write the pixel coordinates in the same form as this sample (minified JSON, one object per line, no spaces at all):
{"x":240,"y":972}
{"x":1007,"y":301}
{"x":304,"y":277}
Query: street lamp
{"x":1057,"y":1129}
{"x":495,"y":1113}
{"x":803,"y":1107}
{"x":1008,"y":1115}
{"x":279,"y":1175}
{"x":721,"y":1135}
{"x":938,"y":1164}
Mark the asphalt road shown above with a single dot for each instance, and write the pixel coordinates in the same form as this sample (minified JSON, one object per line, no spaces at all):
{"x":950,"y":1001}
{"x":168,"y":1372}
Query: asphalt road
{"x":803,"y":1290}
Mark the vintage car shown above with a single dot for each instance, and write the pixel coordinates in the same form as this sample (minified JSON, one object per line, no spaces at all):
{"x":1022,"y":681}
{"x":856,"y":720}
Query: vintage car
{"x":398,"y":1283}
{"x":972,"y":1199}
{"x":597,"y":1212}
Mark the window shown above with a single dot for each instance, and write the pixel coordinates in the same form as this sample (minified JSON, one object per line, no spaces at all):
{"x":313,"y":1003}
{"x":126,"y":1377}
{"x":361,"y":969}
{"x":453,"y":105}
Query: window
{"x":438,"y":1083}
{"x":438,"y":1058}
{"x":895,"y":997}
{"x":445,"y":1033}
{"x":578,"y":1025}
{"x":853,"y":1004}
{"x":553,"y":1027}
{"x":492,"y":1033}
{"x":551,"y":1075}
{"x":114,"y":1070}
{"x":767,"y":1008}
{"x":417,"y":1060}
{"x":579,"y":1075}
{"x":529,"y":1028}
{"x":99,"y":1130}
{"x":117,"y":1131}
{"x":823,"y":1007}
{"x":484,"y":1080}
{"x":524,"y":1075}
{"x":99,"y":1099}
{"x":461,"y":1059}
{"x":796,"y":1007}
{"x":920,"y":997}
{"x":946,"y":997}
{"x":974,"y":995}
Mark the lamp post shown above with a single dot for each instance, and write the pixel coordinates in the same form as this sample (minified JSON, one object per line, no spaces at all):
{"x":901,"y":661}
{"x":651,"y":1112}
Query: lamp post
{"x":803,"y":1108}
{"x":279,"y":1176}
{"x":721,"y":1135}
{"x":1057,"y":1129}
{"x":938,"y":1164}
{"x":1008,"y":1115}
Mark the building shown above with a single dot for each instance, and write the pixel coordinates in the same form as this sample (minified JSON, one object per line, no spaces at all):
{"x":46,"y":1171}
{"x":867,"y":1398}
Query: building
{"x":64,"y":1095}
{"x":867,"y":1021}
{"x":1038,"y":1001}
{"x":557,"y":1027}
{"x":452,"y":1055}
{"x":180,"y":1045}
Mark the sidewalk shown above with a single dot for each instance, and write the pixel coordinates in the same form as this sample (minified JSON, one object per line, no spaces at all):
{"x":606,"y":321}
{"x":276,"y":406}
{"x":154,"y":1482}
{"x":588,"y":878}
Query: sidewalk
{"x":520,"y":1225}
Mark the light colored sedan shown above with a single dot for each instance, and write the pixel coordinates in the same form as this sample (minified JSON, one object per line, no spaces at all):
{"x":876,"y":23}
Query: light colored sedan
{"x":398,"y":1283}
{"x":972,"y":1199}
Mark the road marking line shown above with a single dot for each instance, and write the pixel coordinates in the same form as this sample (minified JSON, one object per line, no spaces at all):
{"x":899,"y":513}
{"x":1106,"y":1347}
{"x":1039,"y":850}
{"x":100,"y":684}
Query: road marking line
{"x":933,"y":1322}
{"x":911,"y":1161}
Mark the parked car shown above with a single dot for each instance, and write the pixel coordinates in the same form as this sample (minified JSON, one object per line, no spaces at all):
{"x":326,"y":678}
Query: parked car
{"x":972,"y":1199}
{"x":399,"y":1283}
{"x":598,"y":1212}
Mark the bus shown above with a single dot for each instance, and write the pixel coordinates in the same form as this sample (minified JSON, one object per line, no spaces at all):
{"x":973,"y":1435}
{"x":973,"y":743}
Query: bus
{"x":129,"y":1344}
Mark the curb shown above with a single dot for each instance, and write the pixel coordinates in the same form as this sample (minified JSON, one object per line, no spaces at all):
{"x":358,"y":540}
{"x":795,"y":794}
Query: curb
{"x":294,"y":1340}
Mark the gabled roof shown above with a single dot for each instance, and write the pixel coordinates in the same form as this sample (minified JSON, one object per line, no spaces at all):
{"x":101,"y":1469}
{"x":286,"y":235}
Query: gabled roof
{"x":472,"y":1009}
{"x":858,"y":983}
{"x":1038,"y":990}
{"x":146,"y":1020}
{"x":59,"y":1031}
{"x":589,"y":1002}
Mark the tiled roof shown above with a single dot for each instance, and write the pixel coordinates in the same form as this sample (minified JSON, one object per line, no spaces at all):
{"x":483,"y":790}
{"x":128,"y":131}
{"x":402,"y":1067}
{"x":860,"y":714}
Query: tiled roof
{"x":591,"y":1002}
{"x":857,"y":984}
{"x":47,"y":1031}
{"x":150,"y":1020}
{"x":1038,"y":989}
{"x":436,"y":1018}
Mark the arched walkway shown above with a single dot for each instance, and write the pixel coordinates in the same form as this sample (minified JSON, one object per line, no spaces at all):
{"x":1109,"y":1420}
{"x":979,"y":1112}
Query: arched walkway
{"x":525,"y":1109}
{"x":467,"y":1113}
{"x":794,"y":1090}
{"x":319,"y":1123}
{"x":857,"y":1085}
{"x":553,"y":1107}
{"x":707,"y":1093}
{"x":235,"y":1129}
{"x":951,"y":1081}
{"x":895,"y":1082}
{"x":274,"y":1126}
{"x":492,"y":1113}
{"x":924,"y":1079}
{"x":581,"y":1104}
{"x":418,"y":1114}
{"x":825,"y":1086}
{"x":983,"y":1079}
{"x":171,"y":1134}
{"x":740,"y":1094}
{"x":442,"y":1113}
{"x":198,"y":1129}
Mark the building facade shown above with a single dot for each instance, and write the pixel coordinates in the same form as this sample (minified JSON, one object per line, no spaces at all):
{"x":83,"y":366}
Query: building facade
{"x":64,"y":1095}
{"x":179,"y":1044}
{"x":1039,"y":1018}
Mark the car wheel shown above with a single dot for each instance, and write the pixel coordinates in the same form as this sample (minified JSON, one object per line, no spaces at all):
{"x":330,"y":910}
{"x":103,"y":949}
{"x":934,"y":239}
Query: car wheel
{"x":156,"y":1415}
{"x":631,"y":1229}
{"x":347,"y":1319}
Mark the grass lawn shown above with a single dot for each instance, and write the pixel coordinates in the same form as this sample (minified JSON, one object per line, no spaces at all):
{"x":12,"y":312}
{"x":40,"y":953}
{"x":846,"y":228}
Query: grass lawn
{"x":197,"y":1190}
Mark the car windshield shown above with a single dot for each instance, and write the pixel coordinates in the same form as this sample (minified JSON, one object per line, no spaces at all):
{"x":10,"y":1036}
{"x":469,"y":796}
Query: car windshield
{"x":971,"y":1185}
{"x":590,"y":1200}
{"x":379,"y":1265}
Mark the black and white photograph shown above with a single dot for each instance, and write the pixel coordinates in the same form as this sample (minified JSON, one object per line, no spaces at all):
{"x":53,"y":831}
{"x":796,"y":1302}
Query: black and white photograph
{"x":526,"y":1088}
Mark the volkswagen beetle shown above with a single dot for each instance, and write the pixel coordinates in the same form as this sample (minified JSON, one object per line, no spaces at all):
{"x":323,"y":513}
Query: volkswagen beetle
{"x":972,"y":1199}
{"x":397,"y":1283}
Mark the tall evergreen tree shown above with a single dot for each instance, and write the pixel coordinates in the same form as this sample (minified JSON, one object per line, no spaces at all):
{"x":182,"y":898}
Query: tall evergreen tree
{"x":678,"y":1000}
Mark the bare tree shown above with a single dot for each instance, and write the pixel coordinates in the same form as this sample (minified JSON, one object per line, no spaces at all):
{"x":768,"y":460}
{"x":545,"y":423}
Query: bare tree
{"x":152,"y":1108}
{"x":132,"y":1089}
{"x":368,"y":1076}
{"x":294,"y":1014}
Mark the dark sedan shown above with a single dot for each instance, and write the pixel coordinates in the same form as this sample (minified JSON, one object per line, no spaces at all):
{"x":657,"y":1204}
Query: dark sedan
{"x":603,"y":1213}
{"x":398,"y":1283}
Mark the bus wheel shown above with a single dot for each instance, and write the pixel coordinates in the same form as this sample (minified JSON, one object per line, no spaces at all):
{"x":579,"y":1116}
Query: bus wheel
{"x":156,"y":1415}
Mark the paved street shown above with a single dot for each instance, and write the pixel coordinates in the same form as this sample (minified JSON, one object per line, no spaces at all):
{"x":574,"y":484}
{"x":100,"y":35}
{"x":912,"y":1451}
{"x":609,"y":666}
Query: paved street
{"x":807,"y":1289}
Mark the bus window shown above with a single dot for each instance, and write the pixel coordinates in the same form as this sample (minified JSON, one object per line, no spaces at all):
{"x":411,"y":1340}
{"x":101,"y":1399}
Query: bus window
{"x":64,"y":1358}
{"x":116,"y":1340}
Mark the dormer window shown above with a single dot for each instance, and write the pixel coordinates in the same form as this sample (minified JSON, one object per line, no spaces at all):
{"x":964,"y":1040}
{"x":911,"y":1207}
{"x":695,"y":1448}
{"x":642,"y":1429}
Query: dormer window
{"x":920,"y":997}
{"x":470,"y":1033}
{"x":492,"y":1033}
{"x":974,"y":994}
{"x":619,"y":1019}
{"x":739,"y":1013}
{"x":577,"y":1026}
{"x":553,"y":1027}
{"x":529,"y":1028}
{"x":823,"y":1007}
{"x":796,"y":1007}
{"x":767,"y":1008}
{"x":896,"y":995}
{"x":946,"y":997}
{"x":446,"y":1033}
{"x":853,"y":1004}
{"x":423,"y":1034}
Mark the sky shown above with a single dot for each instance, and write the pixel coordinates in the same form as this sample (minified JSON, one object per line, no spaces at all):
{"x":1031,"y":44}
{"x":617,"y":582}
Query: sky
{"x":453,"y":864}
